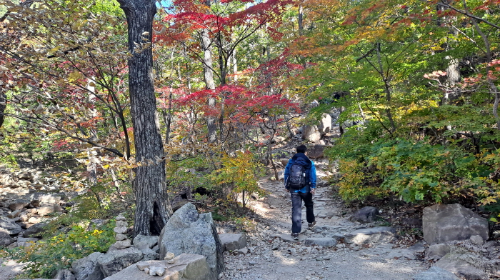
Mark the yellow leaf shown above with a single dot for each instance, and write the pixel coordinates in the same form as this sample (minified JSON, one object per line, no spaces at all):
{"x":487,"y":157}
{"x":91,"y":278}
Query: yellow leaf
{"x":74,"y":76}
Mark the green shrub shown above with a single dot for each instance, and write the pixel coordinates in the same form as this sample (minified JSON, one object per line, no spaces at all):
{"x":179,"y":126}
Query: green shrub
{"x":413,"y":171}
{"x":44,"y":258}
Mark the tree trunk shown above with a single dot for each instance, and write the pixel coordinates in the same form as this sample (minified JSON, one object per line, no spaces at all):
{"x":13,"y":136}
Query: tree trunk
{"x":150,"y":179}
{"x":3,"y":105}
{"x":209,"y":82}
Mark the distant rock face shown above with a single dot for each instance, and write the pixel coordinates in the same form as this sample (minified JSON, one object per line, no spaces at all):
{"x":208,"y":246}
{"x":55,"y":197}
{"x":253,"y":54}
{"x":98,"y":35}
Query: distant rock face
{"x":443,"y":223}
{"x":192,"y":233}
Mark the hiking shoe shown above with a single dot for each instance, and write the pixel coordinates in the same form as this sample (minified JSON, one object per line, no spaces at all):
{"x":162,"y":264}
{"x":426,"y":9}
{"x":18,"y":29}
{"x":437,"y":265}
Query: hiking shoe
{"x":311,"y":225}
{"x":295,"y":236}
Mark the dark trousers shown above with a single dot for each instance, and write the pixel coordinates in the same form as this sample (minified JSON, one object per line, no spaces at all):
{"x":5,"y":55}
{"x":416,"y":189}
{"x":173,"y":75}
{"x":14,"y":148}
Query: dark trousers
{"x":297,"y":210}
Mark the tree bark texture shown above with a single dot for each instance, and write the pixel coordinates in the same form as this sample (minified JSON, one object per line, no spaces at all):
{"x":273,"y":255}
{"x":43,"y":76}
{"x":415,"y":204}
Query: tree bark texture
{"x":150,"y":179}
{"x":3,"y":105}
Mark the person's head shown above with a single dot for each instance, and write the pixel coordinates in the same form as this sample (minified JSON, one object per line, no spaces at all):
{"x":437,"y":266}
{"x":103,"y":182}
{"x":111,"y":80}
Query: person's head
{"x":301,"y":149}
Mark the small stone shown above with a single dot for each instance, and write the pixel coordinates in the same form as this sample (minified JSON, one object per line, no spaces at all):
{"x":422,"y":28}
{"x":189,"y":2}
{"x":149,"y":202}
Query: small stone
{"x":121,"y":224}
{"x":142,"y":266}
{"x":172,"y":261}
{"x":122,"y":244}
{"x":477,"y":240}
{"x":120,"y":237}
{"x":120,"y":218}
{"x":169,"y":256}
{"x":242,"y":251}
{"x":14,"y":214}
{"x":120,"y":229}
{"x":156,"y":270}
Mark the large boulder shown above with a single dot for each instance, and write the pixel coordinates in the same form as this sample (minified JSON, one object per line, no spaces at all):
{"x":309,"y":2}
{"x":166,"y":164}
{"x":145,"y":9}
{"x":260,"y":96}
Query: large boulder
{"x":443,"y":223}
{"x":311,"y":133}
{"x":183,"y":267}
{"x":192,"y":233}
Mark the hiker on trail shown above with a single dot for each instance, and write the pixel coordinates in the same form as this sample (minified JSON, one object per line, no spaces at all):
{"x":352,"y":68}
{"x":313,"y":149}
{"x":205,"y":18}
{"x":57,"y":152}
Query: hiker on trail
{"x":300,"y":181}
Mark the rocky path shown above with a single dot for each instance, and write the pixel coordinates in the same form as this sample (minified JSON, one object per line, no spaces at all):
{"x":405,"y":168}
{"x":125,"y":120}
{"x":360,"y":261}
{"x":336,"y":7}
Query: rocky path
{"x":272,"y":254}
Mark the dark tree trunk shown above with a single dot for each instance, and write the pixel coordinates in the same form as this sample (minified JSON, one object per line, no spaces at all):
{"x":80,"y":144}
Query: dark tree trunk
{"x":3,"y":105}
{"x":149,"y":183}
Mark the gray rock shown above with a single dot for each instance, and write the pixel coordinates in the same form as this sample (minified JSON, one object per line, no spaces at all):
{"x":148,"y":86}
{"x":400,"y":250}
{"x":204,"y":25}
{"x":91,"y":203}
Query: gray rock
{"x":115,"y":261}
{"x":9,"y":226}
{"x":46,"y":199}
{"x":233,"y":241}
{"x":121,"y":224}
{"x":316,"y":151}
{"x":366,"y":214}
{"x":149,"y":254}
{"x":18,"y":205}
{"x":464,"y":263}
{"x":371,"y":235}
{"x":443,"y":223}
{"x":121,"y":244}
{"x":5,"y":239}
{"x":192,"y":233}
{"x":437,"y":251}
{"x":45,"y":210}
{"x":184,"y":267}
{"x":325,"y":242}
{"x":435,"y":273}
{"x":14,"y":214}
{"x":120,"y":237}
{"x":65,"y":274}
{"x":26,"y":242}
{"x":141,"y":241}
{"x":325,"y":125}
{"x":286,"y":237}
{"x":34,"y":230}
{"x":88,"y":267}
{"x":311,"y":133}
{"x":119,"y":230}
{"x":477,"y":240}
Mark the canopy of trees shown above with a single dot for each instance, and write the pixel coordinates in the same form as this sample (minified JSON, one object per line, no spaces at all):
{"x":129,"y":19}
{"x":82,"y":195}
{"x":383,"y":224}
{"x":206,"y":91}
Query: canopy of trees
{"x":158,"y":98}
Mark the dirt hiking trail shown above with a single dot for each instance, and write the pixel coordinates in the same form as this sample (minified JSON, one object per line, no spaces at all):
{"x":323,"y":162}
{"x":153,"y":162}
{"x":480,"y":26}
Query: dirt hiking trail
{"x":272,"y":254}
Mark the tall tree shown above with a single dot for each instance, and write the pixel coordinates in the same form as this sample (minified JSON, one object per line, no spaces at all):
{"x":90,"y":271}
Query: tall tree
{"x":150,"y":181}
